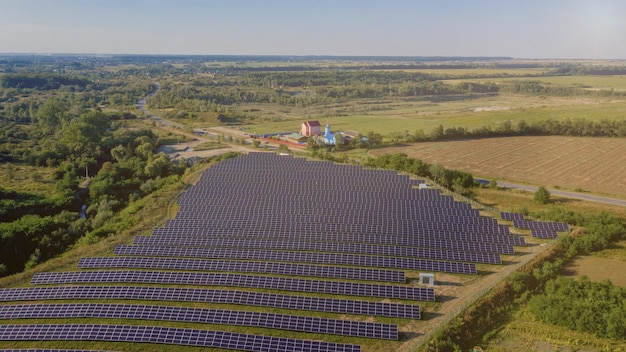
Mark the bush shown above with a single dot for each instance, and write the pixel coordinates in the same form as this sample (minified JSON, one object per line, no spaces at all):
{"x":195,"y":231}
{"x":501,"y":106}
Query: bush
{"x":597,"y":308}
{"x":542,"y":196}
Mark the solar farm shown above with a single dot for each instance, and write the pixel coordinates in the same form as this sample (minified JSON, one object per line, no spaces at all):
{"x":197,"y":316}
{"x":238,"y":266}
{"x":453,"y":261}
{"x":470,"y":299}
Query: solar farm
{"x":314,"y":256}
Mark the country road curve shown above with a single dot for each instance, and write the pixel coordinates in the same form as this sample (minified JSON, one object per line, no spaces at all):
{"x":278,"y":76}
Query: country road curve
{"x":565,"y":194}
{"x":141,"y":105}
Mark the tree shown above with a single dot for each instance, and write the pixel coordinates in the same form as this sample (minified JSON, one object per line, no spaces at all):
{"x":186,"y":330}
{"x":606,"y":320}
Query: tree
{"x":52,"y":115}
{"x":542,"y":195}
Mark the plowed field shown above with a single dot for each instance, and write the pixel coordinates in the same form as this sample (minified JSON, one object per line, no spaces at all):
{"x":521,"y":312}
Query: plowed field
{"x":596,"y":165}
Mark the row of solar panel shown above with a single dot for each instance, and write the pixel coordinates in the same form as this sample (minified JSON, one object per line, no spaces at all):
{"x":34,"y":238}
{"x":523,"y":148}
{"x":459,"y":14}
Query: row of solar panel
{"x":408,"y":207}
{"x":337,"y":272}
{"x":288,"y":219}
{"x":505,"y":215}
{"x":544,"y":233}
{"x":208,"y":218}
{"x":226,"y":216}
{"x":202,"y":315}
{"x":236,"y":280}
{"x":342,"y":306}
{"x":343,"y":193}
{"x":334,"y":177}
{"x":165,"y":335}
{"x":301,"y":257}
{"x":503,"y":243}
{"x":306,"y":170}
{"x":377,"y":215}
{"x":547,"y":225}
{"x":335,"y":247}
{"x":391,"y":229}
{"x":370,"y":216}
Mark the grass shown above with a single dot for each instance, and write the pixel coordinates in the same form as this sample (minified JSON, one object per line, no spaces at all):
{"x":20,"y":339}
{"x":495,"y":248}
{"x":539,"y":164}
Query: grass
{"x":522,"y":332}
{"x":617,"y":82}
{"x":209,"y":146}
{"x":26,"y":178}
{"x":403,"y":115}
{"x":515,"y":201}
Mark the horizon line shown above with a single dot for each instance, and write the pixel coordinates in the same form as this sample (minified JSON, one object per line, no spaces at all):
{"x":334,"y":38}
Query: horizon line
{"x":485,"y":57}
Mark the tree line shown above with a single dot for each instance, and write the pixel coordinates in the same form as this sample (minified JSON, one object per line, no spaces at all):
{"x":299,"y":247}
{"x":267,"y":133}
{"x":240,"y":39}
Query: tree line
{"x":43,"y":81}
{"x":579,"y":127}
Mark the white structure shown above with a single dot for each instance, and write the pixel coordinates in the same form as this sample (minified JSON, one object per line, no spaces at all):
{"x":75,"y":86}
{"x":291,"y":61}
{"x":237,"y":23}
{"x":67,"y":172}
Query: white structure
{"x":427,"y":279}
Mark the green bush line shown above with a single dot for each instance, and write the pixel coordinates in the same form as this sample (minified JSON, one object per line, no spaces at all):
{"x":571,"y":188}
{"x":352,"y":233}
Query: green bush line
{"x":467,"y":329}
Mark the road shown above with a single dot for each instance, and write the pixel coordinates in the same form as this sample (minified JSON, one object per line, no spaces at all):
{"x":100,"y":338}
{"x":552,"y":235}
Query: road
{"x":141,"y":105}
{"x":565,"y":194}
{"x":185,"y":150}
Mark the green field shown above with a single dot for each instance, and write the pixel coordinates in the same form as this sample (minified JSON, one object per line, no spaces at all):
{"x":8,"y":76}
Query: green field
{"x":399,"y":117}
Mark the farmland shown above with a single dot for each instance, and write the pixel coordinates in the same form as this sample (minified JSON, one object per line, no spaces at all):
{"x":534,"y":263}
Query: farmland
{"x":596,"y":165}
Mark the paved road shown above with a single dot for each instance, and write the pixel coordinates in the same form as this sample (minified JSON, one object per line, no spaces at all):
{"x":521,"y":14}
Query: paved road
{"x":565,"y":194}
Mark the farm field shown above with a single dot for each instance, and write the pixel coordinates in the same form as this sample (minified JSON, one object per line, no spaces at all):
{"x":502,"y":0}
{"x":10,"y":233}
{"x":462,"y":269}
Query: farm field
{"x":596,"y":165}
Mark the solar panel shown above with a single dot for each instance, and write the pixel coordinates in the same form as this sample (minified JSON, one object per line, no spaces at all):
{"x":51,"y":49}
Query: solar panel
{"x":433,"y":239}
{"x":511,"y":216}
{"x":301,"y":257}
{"x":236,"y":280}
{"x":336,"y":272}
{"x":396,"y":251}
{"x":344,"y":306}
{"x":201,"y":315}
{"x":164,"y":335}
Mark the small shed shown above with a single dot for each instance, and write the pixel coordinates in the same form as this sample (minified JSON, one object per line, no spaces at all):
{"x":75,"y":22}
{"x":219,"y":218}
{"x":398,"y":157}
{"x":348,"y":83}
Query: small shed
{"x":427,"y":279}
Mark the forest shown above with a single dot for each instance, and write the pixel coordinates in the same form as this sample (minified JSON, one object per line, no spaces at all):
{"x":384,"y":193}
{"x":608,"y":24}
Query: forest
{"x":66,"y":131}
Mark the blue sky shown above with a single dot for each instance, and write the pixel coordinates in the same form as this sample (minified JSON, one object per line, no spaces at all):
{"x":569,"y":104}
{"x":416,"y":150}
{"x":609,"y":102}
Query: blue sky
{"x":553,"y":29}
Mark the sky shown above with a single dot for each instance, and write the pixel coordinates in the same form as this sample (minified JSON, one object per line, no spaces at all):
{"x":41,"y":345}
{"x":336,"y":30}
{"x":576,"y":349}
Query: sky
{"x":536,"y":29}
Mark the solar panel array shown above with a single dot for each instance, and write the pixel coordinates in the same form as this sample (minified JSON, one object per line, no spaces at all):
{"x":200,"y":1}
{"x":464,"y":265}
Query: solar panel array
{"x":539,"y":229}
{"x":396,"y":251}
{"x":511,"y":216}
{"x":165,"y":335}
{"x":331,"y":305}
{"x":236,"y":280}
{"x":200,"y":315}
{"x":301,"y":257}
{"x":272,"y":217}
{"x":433,"y":239}
{"x":336,"y":272}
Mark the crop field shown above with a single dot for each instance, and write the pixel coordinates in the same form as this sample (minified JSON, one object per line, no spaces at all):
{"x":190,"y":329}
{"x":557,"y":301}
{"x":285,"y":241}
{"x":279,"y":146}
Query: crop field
{"x":595,"y":165}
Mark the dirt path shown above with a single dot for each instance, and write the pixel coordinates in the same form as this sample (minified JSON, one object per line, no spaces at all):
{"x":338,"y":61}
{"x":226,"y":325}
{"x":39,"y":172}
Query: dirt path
{"x":465,"y":294}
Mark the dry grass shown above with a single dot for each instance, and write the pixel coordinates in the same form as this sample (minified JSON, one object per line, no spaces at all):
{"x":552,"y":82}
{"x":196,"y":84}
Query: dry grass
{"x":598,"y":269}
{"x":596,"y":165}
